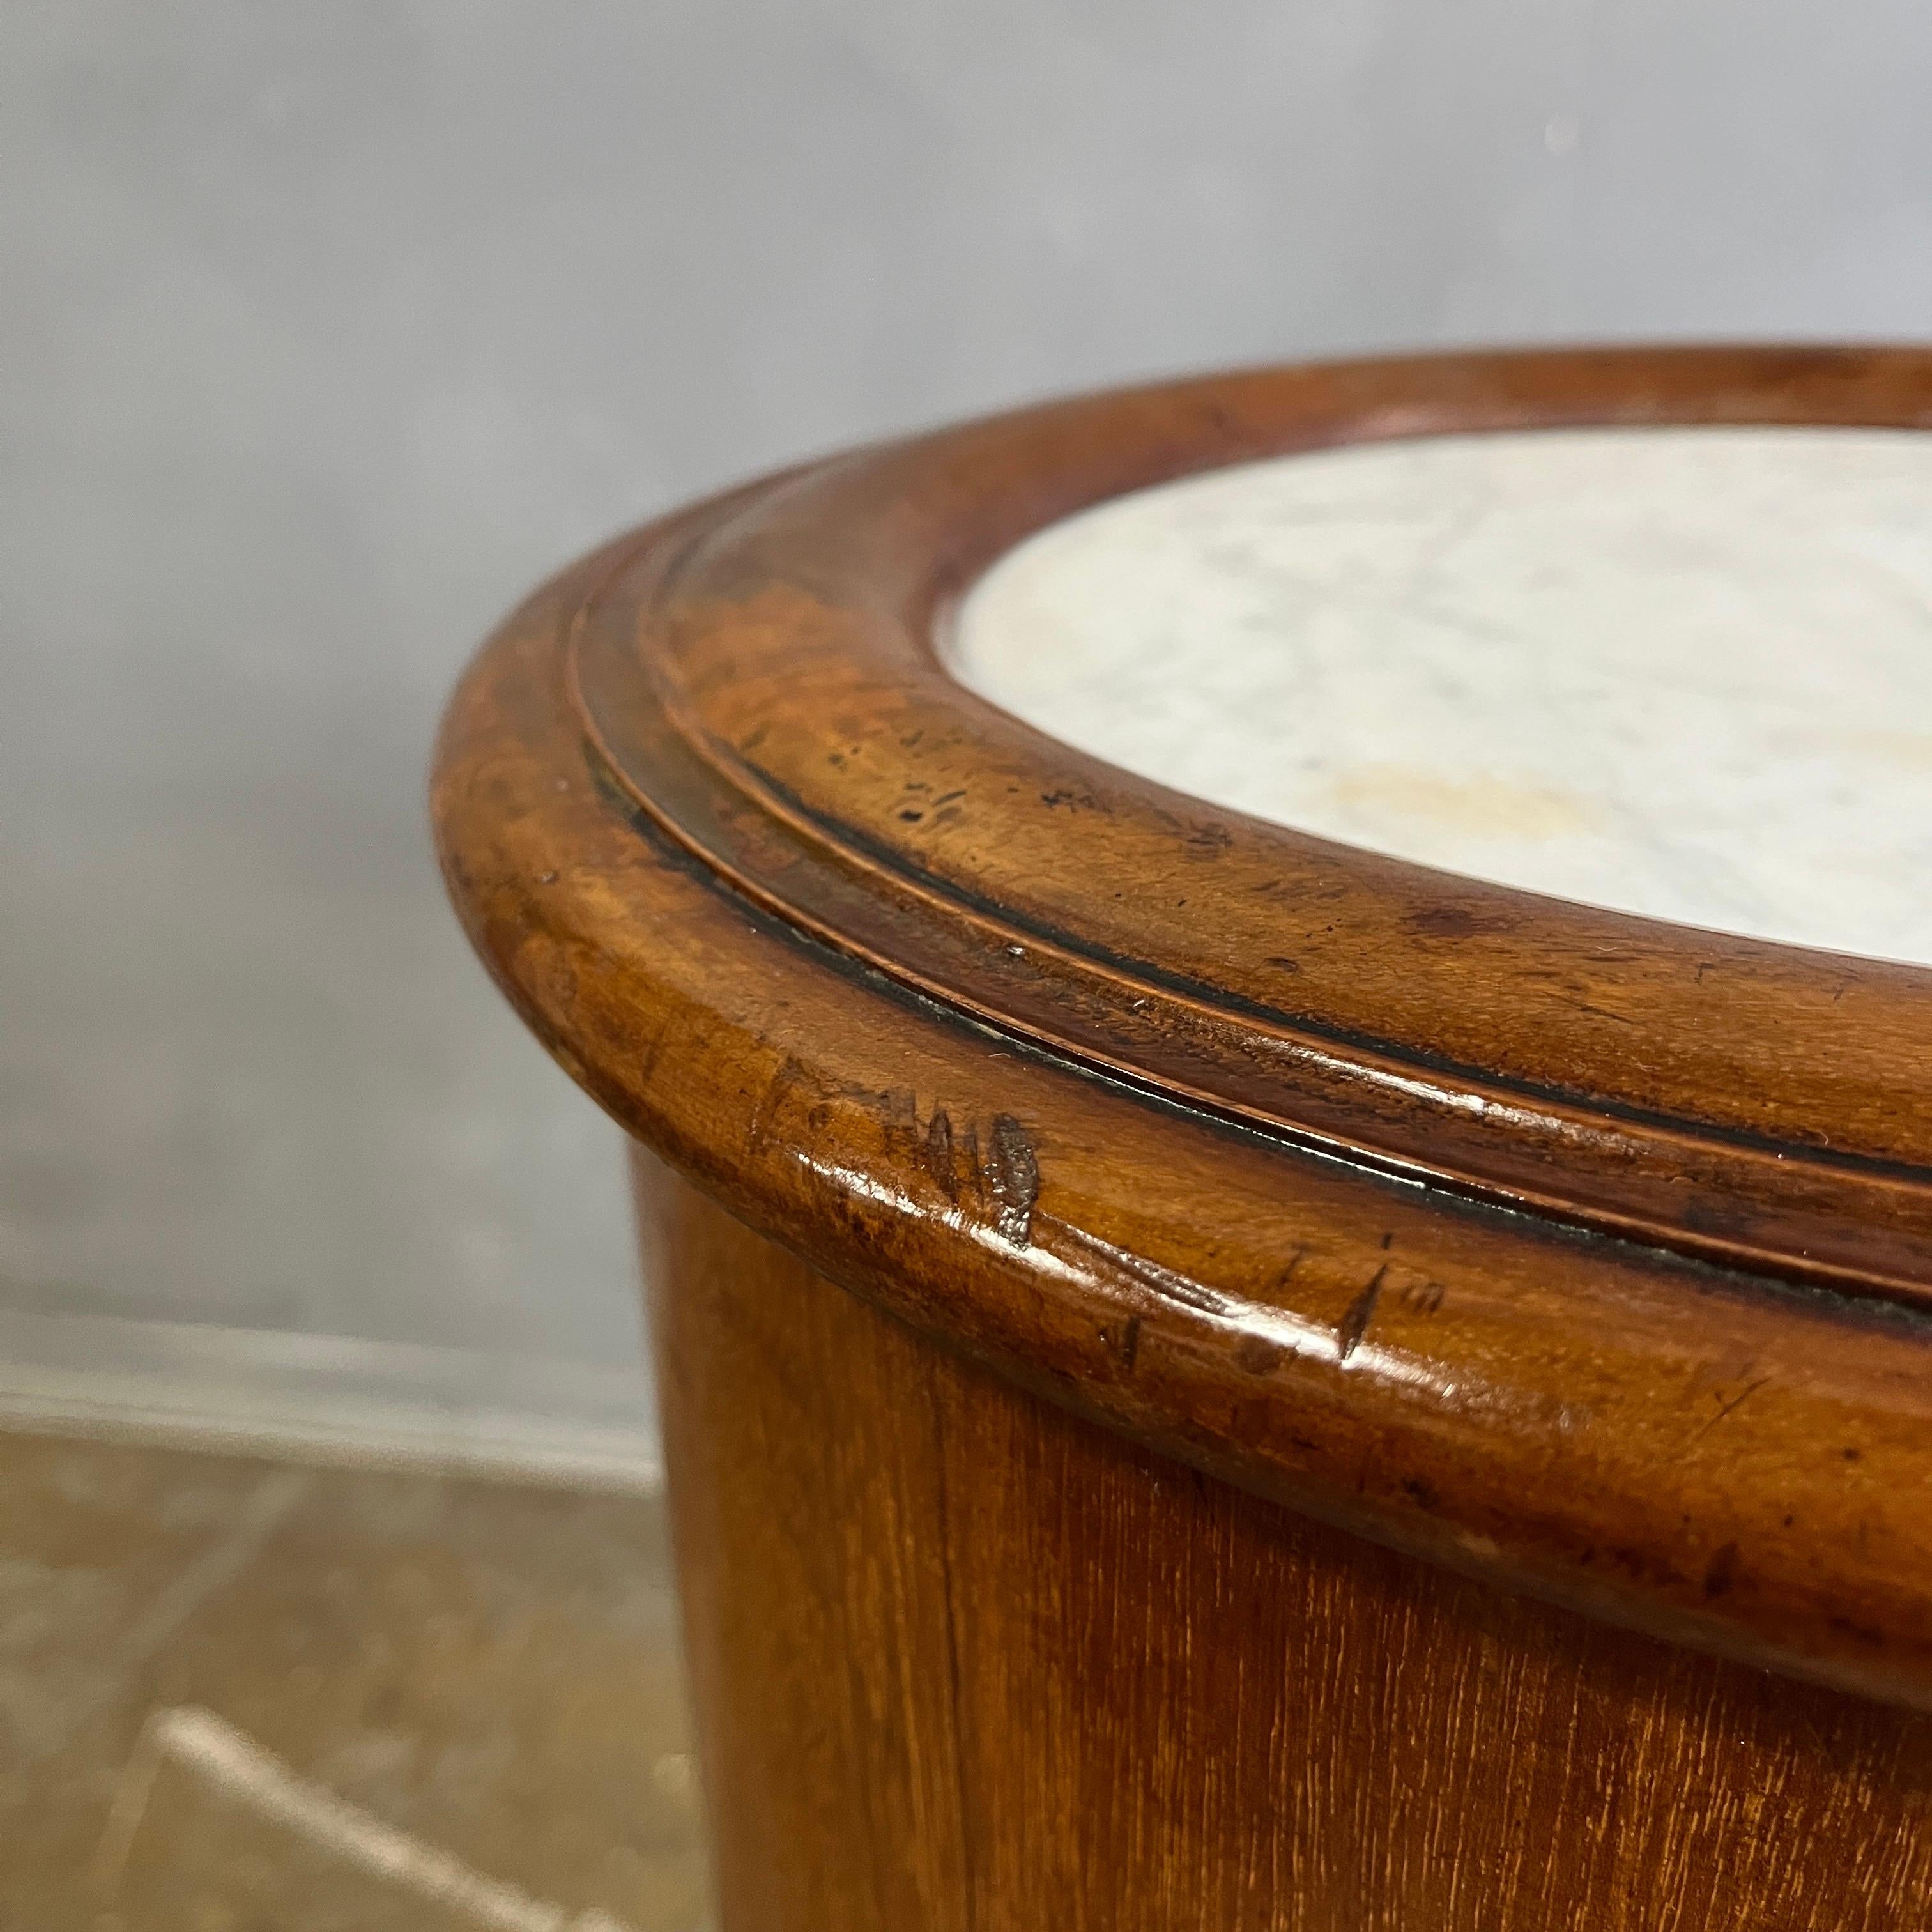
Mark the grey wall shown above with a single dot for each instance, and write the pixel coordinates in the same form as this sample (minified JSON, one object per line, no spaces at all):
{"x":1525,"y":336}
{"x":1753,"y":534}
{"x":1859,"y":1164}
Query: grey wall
{"x":326,"y":330}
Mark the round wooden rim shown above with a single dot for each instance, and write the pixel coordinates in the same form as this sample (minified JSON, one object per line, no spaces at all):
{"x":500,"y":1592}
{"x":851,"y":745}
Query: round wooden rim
{"x":692,"y":804}
{"x":774,"y":696}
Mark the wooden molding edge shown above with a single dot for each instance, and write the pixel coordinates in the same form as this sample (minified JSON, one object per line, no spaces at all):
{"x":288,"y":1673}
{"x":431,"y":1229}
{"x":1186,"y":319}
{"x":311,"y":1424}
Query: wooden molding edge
{"x":1719,"y":1458}
{"x":762,"y":676}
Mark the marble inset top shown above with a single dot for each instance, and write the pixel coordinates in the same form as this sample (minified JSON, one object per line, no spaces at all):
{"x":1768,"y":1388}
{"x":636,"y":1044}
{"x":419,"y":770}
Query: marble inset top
{"x":1685,"y":673}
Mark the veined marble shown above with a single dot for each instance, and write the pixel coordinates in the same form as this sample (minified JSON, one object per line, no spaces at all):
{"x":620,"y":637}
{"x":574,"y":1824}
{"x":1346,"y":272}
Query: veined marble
{"x":1685,"y":673}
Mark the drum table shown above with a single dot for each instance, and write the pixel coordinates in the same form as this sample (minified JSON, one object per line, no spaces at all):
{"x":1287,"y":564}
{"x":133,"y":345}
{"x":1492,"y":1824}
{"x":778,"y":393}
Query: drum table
{"x":1279,"y":1030}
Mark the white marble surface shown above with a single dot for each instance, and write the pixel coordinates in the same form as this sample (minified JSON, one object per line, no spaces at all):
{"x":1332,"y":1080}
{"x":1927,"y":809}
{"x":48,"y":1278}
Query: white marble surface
{"x":1686,"y":672}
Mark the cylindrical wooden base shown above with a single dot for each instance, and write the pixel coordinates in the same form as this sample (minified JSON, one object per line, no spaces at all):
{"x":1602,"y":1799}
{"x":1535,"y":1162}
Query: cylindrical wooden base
{"x":962,"y":1661}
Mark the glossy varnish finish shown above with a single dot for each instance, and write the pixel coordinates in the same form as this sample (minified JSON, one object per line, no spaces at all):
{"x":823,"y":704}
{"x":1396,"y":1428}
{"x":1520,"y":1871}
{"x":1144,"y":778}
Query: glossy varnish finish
{"x":761,"y":678}
{"x":969,"y":1663}
{"x":1355,"y":1209}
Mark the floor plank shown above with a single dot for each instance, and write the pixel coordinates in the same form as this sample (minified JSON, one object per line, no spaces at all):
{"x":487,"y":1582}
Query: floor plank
{"x":434,"y":1681}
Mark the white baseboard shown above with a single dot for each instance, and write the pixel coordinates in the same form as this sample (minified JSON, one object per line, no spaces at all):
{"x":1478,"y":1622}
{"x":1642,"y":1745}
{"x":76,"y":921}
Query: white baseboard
{"x":326,"y":1398}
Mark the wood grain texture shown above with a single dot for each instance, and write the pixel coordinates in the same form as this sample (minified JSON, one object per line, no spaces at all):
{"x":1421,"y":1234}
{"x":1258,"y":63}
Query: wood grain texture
{"x":763,"y":678}
{"x":962,"y":1661}
{"x":1353,"y":1254}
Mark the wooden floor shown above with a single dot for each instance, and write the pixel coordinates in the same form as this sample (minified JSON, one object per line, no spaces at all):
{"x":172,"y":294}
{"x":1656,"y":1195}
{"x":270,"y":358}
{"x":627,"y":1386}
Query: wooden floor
{"x":238,"y":1695}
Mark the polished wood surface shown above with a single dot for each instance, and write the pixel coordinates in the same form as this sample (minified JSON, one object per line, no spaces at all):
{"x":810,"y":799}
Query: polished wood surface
{"x":761,"y":678}
{"x":965,"y":1662}
{"x":1575,"y":1257}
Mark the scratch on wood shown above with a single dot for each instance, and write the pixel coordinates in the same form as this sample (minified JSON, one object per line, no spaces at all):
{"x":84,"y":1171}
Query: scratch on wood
{"x":1142,"y":1274}
{"x":1013,"y":1174}
{"x":1355,"y":1319}
{"x":939,"y":1162}
{"x":1730,"y":1407}
{"x":974,"y":1168}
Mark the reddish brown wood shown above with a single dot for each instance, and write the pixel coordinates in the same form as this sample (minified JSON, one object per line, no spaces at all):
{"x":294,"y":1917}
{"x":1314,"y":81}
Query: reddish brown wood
{"x":1621,"y":1306}
{"x":964,"y":1663}
{"x":761,"y":678}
